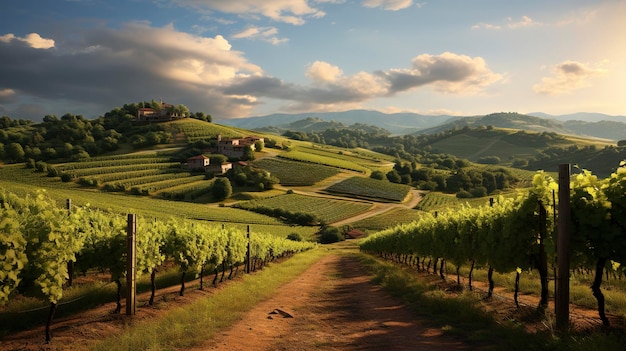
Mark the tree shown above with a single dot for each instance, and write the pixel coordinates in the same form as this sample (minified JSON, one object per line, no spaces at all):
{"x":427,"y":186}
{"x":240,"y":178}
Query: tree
{"x":393,"y":176}
{"x":222,"y":189}
{"x":14,"y":152}
{"x":377,"y":175}
{"x":248,"y":154}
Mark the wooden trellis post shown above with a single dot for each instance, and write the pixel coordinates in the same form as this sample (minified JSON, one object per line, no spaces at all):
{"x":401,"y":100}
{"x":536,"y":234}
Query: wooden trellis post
{"x":131,"y":264}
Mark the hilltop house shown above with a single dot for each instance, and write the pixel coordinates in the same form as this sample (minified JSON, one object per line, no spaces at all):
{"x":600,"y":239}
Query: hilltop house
{"x":234,"y":148}
{"x":166,"y":112}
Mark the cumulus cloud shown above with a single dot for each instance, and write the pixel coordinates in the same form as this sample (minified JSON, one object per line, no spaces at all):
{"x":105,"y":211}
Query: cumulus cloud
{"x":288,"y":11}
{"x":448,"y":73}
{"x":510,"y":23}
{"x":33,"y":40}
{"x":568,"y":76}
{"x":332,"y":89}
{"x":107,"y":67}
{"x":321,"y":71}
{"x":268,"y":34}
{"x":391,"y":5}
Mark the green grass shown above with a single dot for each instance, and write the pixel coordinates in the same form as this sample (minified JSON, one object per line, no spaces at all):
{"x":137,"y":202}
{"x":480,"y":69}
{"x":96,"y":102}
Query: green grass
{"x":369,"y":188}
{"x":325,"y":209}
{"x":293,"y":173}
{"x":462,"y":316}
{"x":207,"y":316}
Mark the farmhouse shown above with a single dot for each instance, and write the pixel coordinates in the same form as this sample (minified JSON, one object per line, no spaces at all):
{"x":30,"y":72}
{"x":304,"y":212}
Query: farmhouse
{"x":166,"y":112}
{"x":203,"y":163}
{"x":199,"y":162}
{"x":235,"y":148}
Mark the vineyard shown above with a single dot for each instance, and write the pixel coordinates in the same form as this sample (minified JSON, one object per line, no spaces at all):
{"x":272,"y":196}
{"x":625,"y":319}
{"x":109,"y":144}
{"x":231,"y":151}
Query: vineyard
{"x":319,"y":208}
{"x":516,"y":235}
{"x":194,"y":130}
{"x":42,"y":244}
{"x":371,"y":189}
{"x":304,"y":156}
{"x":291,"y":173}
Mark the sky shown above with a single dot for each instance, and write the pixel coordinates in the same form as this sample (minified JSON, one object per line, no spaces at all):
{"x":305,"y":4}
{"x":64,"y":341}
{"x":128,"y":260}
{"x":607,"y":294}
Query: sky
{"x":241,"y":58}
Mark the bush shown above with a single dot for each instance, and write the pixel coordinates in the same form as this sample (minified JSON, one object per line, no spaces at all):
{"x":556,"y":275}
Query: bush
{"x":463,"y":194}
{"x":66,"y":177}
{"x":480,"y":191}
{"x":294,"y":237}
{"x":377,"y":175}
{"x":489,"y":160}
{"x":329,"y":235}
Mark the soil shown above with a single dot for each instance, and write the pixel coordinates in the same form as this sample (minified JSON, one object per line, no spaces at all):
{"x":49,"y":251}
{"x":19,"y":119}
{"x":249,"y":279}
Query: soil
{"x":331,"y":306}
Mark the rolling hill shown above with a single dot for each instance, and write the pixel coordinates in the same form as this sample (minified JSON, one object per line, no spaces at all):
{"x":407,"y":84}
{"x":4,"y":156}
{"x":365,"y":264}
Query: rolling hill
{"x":585,"y":124}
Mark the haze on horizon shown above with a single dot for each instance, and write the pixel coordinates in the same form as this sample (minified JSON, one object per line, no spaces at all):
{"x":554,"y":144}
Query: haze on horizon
{"x":256,"y":57}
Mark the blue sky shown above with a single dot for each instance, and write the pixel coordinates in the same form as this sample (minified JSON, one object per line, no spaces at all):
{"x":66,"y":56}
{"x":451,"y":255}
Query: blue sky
{"x":239,"y":58}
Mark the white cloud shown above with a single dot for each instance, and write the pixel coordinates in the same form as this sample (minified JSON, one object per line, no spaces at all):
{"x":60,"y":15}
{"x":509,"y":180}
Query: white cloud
{"x":268,"y":34}
{"x":34,"y":40}
{"x":447,"y":73}
{"x":7,"y":96}
{"x":391,"y":5}
{"x":287,"y":11}
{"x":510,"y":23}
{"x":568,"y":76}
{"x":321,"y":71}
{"x":333,"y":90}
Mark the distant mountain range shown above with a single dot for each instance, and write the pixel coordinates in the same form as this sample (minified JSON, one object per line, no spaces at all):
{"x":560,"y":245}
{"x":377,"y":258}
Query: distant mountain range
{"x":584,"y":124}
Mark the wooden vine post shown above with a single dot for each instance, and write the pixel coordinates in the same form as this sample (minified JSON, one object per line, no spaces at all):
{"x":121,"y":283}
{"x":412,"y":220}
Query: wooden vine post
{"x":70,"y":264}
{"x":131,"y":264}
{"x":563,"y":240}
{"x":248,"y":260}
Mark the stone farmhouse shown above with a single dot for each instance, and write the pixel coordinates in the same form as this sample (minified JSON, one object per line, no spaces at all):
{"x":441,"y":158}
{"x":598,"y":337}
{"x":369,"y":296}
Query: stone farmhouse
{"x":199,"y":162}
{"x":165,"y":113}
{"x":234,"y":148}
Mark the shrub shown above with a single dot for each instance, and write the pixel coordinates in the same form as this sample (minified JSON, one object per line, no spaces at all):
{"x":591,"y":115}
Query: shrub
{"x":329,"y":235}
{"x":66,"y":177}
{"x":463,"y":194}
{"x":294,"y":237}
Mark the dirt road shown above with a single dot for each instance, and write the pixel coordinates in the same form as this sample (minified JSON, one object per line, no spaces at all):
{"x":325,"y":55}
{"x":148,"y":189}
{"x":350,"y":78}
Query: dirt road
{"x":332,"y":306}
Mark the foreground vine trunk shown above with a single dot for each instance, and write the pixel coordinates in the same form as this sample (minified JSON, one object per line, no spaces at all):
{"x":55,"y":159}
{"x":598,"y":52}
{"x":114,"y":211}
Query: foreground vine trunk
{"x":152,"y":287}
{"x":491,"y":283}
{"x":597,"y":293}
{"x":53,"y":308}
{"x":118,"y":307}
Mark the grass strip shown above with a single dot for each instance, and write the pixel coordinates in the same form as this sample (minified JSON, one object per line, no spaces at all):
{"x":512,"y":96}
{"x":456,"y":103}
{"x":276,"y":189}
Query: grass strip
{"x":462,"y":316}
{"x":197,"y":322}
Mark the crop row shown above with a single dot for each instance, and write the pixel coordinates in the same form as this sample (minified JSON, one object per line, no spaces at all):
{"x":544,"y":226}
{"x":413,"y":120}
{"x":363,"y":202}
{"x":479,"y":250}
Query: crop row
{"x":111,"y":163}
{"x":327,"y":210}
{"x":293,"y":173}
{"x":371,"y":188}
{"x":77,"y":173}
{"x":323,"y":160}
{"x":112,"y":177}
{"x":188,"y":191}
{"x":125,"y":185}
{"x":149,"y":188}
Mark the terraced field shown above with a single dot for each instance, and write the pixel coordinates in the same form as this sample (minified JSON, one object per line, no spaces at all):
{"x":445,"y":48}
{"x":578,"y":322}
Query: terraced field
{"x":293,"y":173}
{"x":369,"y":188}
{"x":325,"y":209}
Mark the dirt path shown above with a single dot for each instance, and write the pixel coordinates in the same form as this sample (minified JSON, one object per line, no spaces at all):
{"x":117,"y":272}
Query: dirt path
{"x":332,"y":306}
